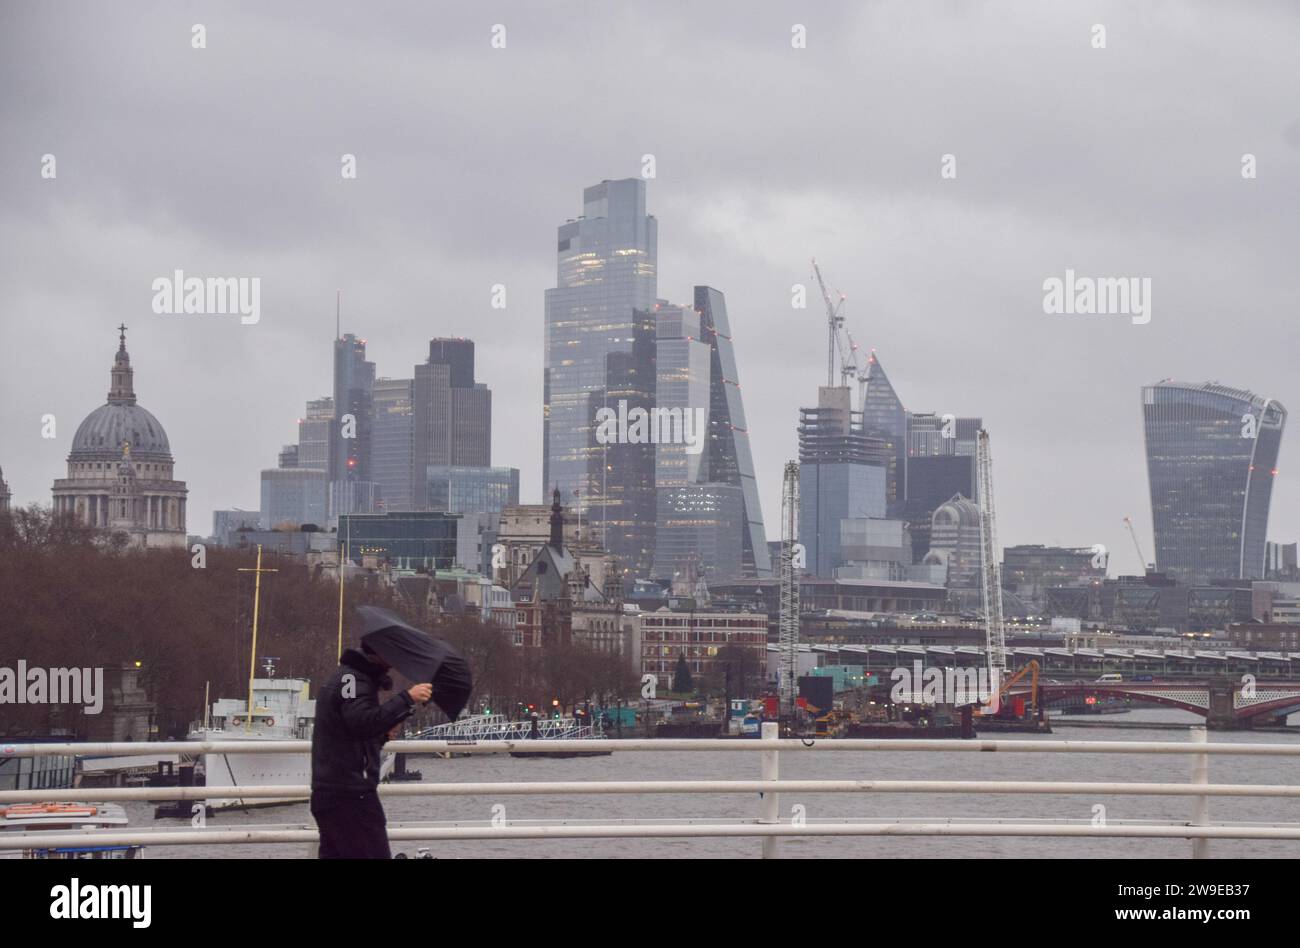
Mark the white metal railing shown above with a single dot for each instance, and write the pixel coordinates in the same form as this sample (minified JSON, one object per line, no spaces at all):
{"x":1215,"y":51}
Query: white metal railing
{"x":768,"y":826}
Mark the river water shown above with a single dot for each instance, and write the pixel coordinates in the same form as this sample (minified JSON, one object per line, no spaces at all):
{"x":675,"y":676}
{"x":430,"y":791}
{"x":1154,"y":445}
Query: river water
{"x":827,"y":806}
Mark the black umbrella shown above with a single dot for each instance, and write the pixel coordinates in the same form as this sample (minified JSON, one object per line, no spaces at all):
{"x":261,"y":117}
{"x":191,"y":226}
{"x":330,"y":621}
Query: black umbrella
{"x":418,"y":656}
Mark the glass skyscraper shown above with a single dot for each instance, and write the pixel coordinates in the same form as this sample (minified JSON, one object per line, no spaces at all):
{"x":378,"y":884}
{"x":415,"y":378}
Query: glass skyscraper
{"x":393,"y":442}
{"x":599,"y":350}
{"x":314,"y":434}
{"x":1211,"y":459}
{"x":352,"y":488}
{"x":884,"y":417}
{"x":842,"y":476}
{"x":707,"y":517}
{"x":730,"y":460}
{"x":451,"y":415}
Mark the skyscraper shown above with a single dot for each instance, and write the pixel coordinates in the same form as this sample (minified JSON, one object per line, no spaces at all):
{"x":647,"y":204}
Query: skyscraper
{"x":451,"y":415}
{"x":842,"y":476}
{"x":599,"y":342}
{"x":393,"y":445}
{"x":698,"y":523}
{"x":730,"y":460}
{"x":884,"y":417}
{"x":933,"y":435}
{"x":1211,"y":459}
{"x":351,"y":482}
{"x":314,"y":434}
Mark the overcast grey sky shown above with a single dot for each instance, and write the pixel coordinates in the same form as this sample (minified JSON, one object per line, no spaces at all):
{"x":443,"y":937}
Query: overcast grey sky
{"x":1123,"y":161}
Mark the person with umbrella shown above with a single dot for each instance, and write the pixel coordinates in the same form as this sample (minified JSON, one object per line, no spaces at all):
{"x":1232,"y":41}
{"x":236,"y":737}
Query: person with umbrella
{"x":352,"y":725}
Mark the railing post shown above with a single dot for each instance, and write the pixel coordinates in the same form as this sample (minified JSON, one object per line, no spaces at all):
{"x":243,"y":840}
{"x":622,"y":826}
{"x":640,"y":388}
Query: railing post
{"x":770,"y":810}
{"x":1200,"y":805}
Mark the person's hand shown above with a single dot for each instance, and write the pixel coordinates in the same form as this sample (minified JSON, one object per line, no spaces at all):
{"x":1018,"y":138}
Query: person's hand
{"x":392,"y":732}
{"x":420,"y":694}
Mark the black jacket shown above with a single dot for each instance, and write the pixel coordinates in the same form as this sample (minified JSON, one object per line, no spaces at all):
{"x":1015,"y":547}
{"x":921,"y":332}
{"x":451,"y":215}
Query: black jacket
{"x":352,"y":726}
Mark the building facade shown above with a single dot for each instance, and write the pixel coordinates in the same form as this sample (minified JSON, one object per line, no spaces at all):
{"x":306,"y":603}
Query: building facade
{"x":713,"y":643}
{"x":599,"y":351}
{"x":1029,"y":570}
{"x":424,"y":541}
{"x":393,"y":445}
{"x":708,"y":517}
{"x":452,"y":416}
{"x":842,"y":476}
{"x":884,"y":417}
{"x":955,"y":541}
{"x":478,"y":494}
{"x":120,"y":468}
{"x":1211,"y":462}
{"x":352,"y":488}
{"x":293,"y":496}
{"x":314,"y":434}
{"x":729,"y":456}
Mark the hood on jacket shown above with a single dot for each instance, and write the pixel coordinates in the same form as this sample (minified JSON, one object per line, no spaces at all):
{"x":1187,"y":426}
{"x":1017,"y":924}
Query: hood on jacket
{"x":359,"y":662}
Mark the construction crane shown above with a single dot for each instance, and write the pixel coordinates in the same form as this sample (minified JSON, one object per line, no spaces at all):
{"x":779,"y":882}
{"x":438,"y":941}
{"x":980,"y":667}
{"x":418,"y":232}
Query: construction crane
{"x":995,"y":633}
{"x":834,"y":334}
{"x":1137,"y":546}
{"x":788,"y":642}
{"x":861,"y":370}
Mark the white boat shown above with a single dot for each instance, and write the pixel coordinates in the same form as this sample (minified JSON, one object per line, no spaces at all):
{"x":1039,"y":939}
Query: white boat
{"x":24,"y":819}
{"x":281,"y":712}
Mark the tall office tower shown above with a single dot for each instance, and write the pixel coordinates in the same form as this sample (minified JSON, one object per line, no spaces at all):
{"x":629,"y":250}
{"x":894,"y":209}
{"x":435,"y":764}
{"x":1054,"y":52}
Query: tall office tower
{"x":451,"y":415}
{"x":1211,"y":459}
{"x":314,"y":435}
{"x":841,"y":476}
{"x":4,"y":494}
{"x":935,"y":435}
{"x":1280,"y":561}
{"x":884,"y":417}
{"x":683,"y":375}
{"x":288,"y":456}
{"x":699,"y":522}
{"x":730,"y":460}
{"x":393,"y":444}
{"x":351,"y":483}
{"x":600,"y":352}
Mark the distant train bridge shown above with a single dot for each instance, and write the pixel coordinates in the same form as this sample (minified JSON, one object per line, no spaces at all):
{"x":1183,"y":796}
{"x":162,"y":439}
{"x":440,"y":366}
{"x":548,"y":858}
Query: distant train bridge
{"x":1224,"y":703}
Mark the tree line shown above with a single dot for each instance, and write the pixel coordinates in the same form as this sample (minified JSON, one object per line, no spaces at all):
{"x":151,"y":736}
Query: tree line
{"x":71,"y":597}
